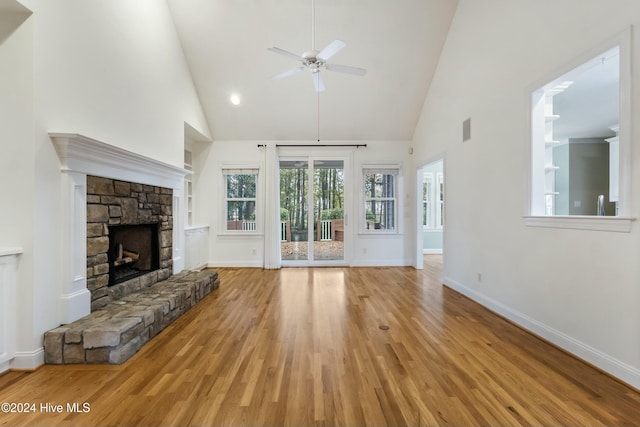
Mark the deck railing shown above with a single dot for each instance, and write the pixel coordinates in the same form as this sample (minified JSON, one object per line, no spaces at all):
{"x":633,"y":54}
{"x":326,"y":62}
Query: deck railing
{"x":248,"y":226}
{"x":283,"y":231}
{"x":325,"y":230}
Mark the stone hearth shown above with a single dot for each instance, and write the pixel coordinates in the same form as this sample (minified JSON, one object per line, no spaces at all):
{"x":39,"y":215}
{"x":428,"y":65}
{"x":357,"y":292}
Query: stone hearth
{"x":115,"y":332}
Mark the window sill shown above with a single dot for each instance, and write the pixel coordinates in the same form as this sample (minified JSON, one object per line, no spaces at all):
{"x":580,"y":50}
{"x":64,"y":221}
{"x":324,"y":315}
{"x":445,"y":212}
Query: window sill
{"x":390,"y":233}
{"x":594,"y":223}
{"x":240,"y":234}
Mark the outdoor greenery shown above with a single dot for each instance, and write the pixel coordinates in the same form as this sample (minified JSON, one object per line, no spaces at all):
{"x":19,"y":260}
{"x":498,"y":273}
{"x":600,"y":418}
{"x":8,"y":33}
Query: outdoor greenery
{"x":379,"y":190}
{"x":241,"y":197}
{"x":335,"y":213}
{"x":328,"y":198}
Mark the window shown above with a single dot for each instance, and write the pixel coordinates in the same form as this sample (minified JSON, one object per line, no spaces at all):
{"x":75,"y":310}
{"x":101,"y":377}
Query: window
{"x":433,"y":201}
{"x":380,"y":202}
{"x":579,"y":138}
{"x":240,"y":204}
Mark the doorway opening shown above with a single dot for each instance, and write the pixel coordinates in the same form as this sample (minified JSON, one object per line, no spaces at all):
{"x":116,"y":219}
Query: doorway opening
{"x":430,"y":212}
{"x":312,"y":206}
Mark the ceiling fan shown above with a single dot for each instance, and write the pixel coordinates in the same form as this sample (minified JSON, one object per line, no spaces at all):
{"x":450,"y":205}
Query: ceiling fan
{"x":314,"y":60}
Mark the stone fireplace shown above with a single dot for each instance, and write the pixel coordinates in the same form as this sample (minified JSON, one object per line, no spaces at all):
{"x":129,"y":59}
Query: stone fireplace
{"x":106,"y":186}
{"x":129,"y":237}
{"x":122,"y":234}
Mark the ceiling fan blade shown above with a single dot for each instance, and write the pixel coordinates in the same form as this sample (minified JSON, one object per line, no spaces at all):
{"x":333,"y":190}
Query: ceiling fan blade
{"x":287,"y":73}
{"x":346,"y":69}
{"x":317,"y":81}
{"x":285,"y":53}
{"x":331,"y":49}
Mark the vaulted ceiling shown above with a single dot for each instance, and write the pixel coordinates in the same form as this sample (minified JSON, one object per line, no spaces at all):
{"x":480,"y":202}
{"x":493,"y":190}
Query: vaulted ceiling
{"x":398,"y":42}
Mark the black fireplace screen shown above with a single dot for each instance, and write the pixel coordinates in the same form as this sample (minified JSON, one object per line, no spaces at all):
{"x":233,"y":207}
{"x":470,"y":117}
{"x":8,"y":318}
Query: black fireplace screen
{"x":133,"y":251}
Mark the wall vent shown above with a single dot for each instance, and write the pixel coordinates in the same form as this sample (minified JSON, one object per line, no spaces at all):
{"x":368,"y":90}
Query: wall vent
{"x":466,"y":130}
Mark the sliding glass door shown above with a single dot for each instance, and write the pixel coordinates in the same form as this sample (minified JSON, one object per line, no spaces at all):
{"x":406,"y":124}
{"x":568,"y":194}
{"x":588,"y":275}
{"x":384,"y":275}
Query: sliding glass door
{"x":312,"y":202}
{"x":294,"y":212}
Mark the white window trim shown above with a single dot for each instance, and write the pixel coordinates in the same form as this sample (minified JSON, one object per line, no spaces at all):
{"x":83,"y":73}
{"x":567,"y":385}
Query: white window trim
{"x":395,"y":170}
{"x":622,"y":222}
{"x":239,"y":169}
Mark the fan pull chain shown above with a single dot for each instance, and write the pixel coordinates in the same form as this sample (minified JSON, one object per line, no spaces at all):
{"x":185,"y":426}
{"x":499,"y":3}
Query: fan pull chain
{"x":318,"y":116}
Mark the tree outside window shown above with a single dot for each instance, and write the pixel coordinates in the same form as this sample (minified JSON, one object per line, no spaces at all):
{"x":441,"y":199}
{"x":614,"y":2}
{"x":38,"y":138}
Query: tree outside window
{"x":240,"y":200}
{"x":380,"y":201}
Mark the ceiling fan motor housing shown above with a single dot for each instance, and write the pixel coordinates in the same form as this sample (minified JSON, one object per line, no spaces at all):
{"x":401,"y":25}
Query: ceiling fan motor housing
{"x":311,"y":60}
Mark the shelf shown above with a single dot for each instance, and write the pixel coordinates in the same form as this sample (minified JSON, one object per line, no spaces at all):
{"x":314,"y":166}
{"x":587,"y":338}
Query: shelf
{"x":551,"y":143}
{"x":551,"y":168}
{"x":551,"y":117}
{"x":552,"y":193}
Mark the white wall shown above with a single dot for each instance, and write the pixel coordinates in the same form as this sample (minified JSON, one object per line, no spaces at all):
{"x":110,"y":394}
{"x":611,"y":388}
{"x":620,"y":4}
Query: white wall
{"x":238,"y":250}
{"x":17,"y":160}
{"x":209,"y":199}
{"x":379,"y":249}
{"x":112,"y":70}
{"x":578,"y":289}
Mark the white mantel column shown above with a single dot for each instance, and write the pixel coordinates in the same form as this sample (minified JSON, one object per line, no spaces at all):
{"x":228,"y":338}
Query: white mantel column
{"x":75,"y":298}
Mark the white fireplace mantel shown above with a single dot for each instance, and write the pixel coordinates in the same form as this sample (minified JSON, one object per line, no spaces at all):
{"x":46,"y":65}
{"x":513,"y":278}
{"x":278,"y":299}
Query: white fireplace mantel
{"x":81,"y":156}
{"x":78,"y":153}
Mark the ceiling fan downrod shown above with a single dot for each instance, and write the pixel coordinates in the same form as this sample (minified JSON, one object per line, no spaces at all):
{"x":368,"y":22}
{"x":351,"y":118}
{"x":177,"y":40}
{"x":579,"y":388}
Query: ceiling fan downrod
{"x":313,"y":25}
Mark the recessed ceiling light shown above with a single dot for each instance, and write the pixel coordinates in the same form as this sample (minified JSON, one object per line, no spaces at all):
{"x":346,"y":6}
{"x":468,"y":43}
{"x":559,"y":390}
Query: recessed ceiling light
{"x":235,"y":99}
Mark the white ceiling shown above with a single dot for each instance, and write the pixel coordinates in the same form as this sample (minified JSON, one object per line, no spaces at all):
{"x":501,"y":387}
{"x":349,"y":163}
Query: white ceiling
{"x":397,"y":41}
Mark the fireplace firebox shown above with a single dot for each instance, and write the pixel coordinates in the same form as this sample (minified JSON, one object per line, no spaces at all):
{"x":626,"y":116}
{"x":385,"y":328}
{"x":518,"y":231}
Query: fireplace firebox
{"x":134,"y":250}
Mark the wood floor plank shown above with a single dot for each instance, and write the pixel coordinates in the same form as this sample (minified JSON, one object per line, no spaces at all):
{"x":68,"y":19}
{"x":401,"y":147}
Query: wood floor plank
{"x":304,"y":347}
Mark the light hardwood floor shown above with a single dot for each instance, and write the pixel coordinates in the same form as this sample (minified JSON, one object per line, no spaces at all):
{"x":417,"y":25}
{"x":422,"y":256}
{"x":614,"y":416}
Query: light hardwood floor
{"x":303,"y":347}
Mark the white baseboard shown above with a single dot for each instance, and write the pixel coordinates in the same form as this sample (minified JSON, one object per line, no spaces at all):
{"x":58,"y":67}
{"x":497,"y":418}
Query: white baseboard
{"x":236,"y":264}
{"x":28,"y":360}
{"x":614,"y":367}
{"x":5,"y":366}
{"x":381,"y":263}
{"x":358,"y":263}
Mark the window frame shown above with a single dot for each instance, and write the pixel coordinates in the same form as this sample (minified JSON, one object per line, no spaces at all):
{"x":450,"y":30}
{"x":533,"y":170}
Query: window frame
{"x":394,"y":170}
{"x":533,"y":217}
{"x":240,"y":170}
